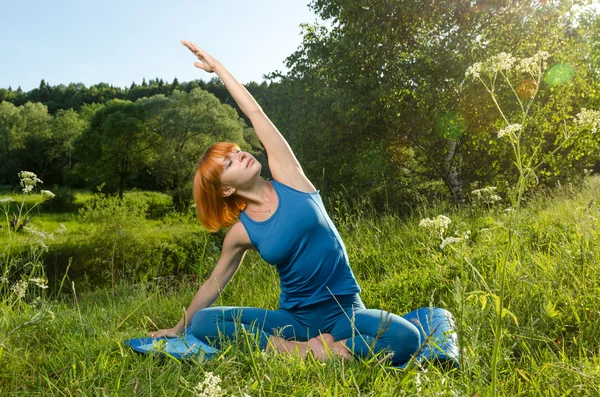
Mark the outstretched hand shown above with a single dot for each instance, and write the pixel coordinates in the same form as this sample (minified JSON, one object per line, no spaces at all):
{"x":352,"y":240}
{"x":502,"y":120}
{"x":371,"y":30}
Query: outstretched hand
{"x":207,"y":62}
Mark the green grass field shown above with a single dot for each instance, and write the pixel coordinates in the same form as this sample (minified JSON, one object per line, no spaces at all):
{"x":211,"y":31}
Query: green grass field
{"x":114,"y":291}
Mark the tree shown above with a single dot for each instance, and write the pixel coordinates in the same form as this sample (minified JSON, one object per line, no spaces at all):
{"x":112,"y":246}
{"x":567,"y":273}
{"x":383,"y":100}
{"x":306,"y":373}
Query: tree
{"x":187,"y":124}
{"x":384,"y":81}
{"x":117,"y":145}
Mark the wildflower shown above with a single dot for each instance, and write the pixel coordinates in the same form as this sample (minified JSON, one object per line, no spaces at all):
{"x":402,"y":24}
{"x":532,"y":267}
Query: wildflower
{"x":438,"y":224}
{"x":47,"y":194}
{"x":209,"y":387}
{"x":534,"y":65}
{"x":3,"y":280}
{"x":510,"y":130}
{"x":589,"y":118}
{"x":40,"y":236}
{"x":6,"y":200}
{"x":486,"y":195}
{"x":420,"y":378}
{"x":19,"y":288}
{"x":474,"y":70}
{"x":40,"y":282}
{"x":500,"y":62}
{"x":62,"y":229}
{"x":28,"y":180}
{"x":455,"y":239}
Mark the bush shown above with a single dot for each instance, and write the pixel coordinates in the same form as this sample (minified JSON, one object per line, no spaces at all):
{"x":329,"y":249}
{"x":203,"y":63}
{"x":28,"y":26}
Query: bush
{"x":63,"y":201}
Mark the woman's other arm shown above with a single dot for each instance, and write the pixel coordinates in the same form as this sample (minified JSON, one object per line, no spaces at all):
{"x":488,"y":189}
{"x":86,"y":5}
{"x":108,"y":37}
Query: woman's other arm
{"x":282,"y":162}
{"x":235,"y":245}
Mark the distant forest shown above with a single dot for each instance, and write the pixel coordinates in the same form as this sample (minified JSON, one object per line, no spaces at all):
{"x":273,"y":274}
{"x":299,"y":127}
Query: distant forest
{"x":375,"y":105}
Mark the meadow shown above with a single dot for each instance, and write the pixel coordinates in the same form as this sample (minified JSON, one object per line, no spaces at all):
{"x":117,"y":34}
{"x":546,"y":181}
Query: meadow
{"x":119,"y":270}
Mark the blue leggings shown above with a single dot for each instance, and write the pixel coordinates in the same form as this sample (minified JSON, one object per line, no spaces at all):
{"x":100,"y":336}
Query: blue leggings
{"x":344,"y":317}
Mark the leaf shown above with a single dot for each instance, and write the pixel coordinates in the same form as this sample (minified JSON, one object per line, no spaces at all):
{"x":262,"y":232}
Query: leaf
{"x":550,"y":310}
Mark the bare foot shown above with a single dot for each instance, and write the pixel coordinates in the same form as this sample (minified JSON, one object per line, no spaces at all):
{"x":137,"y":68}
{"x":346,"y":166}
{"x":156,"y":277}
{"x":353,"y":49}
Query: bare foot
{"x":322,"y":347}
{"x":334,"y":348}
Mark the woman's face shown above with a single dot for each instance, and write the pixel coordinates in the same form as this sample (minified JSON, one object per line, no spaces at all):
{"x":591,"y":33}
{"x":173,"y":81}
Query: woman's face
{"x":240,"y":169}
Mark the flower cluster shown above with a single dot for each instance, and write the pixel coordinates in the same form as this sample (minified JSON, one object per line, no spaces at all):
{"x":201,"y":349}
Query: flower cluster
{"x":455,"y":239}
{"x":486,"y":195}
{"x":62,"y":229}
{"x":438,"y":224}
{"x":503,"y":61}
{"x":510,"y":130}
{"x":19,"y":288}
{"x":40,"y":236}
{"x":28,"y":181}
{"x":6,"y":200}
{"x":534,"y":65}
{"x":209,"y":387}
{"x":40,"y":282}
{"x":589,"y":118}
{"x":498,"y":63}
{"x":47,"y":194}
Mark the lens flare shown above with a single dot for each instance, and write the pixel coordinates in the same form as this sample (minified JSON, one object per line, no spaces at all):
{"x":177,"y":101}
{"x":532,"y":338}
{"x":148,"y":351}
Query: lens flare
{"x":526,"y":89}
{"x":450,"y":126}
{"x":559,"y":74}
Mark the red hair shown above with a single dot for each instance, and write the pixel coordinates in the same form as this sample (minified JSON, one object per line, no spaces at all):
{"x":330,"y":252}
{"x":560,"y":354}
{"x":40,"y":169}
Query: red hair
{"x":214,"y":210}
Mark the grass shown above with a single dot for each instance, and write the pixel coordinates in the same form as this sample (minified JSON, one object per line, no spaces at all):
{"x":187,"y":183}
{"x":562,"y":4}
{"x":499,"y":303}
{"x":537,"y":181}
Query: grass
{"x":550,"y":338}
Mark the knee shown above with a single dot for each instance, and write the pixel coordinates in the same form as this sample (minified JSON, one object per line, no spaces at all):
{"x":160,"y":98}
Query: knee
{"x":408,"y":342}
{"x":204,"y":324}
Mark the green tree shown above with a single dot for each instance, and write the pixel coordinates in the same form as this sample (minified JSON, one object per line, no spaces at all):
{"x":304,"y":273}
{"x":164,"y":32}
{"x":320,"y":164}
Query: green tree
{"x":187,"y":124}
{"x":117,"y":145}
{"x":383,"y":81}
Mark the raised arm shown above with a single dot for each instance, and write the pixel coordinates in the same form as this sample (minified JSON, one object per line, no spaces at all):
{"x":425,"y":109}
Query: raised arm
{"x":282,"y":162}
{"x":235,"y":245}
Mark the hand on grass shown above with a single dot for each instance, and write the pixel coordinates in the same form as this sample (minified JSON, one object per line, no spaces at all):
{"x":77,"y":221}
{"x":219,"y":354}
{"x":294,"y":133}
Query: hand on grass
{"x":165,"y":333}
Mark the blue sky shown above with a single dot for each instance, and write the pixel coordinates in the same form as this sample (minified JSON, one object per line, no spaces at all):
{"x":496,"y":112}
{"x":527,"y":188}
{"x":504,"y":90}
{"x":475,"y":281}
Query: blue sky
{"x":121,"y":41}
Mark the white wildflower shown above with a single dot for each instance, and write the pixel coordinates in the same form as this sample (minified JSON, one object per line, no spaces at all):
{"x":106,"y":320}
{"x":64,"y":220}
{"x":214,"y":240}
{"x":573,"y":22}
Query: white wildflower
{"x":40,"y":282}
{"x":455,"y":239}
{"x":62,"y":229}
{"x":510,"y":130}
{"x":474,"y":70}
{"x":589,"y":118}
{"x":500,"y":62}
{"x":486,"y":195}
{"x":47,"y":194}
{"x":534,"y":65}
{"x":438,"y":224}
{"x":209,"y":387}
{"x":40,"y":236}
{"x":6,"y":200}
{"x":19,"y":288}
{"x":28,"y":180}
{"x":420,"y":379}
{"x":3,"y":280}
{"x":418,"y":383}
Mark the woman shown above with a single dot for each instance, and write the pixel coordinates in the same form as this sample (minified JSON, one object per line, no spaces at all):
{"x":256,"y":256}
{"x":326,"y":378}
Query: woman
{"x":320,"y":310}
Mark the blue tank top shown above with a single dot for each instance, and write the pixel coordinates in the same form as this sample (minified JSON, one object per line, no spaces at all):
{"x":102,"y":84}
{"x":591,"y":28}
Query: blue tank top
{"x":302,"y":243}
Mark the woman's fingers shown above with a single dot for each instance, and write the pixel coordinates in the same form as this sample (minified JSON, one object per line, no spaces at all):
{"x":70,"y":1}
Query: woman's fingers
{"x":202,"y":56}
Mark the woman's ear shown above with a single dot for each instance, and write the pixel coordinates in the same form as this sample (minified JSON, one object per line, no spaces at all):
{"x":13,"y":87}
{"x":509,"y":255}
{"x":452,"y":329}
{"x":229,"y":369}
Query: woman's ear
{"x":227,"y":191}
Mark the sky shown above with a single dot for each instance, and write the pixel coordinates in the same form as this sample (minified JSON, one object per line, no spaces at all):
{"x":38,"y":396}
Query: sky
{"x":121,"y":41}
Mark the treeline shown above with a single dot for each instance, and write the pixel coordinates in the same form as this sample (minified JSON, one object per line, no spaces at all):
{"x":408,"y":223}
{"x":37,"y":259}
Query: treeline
{"x":375,"y":105}
{"x":152,"y":143}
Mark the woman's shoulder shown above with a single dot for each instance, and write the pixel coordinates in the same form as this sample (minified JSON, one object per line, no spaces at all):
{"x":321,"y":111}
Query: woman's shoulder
{"x":237,"y":236}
